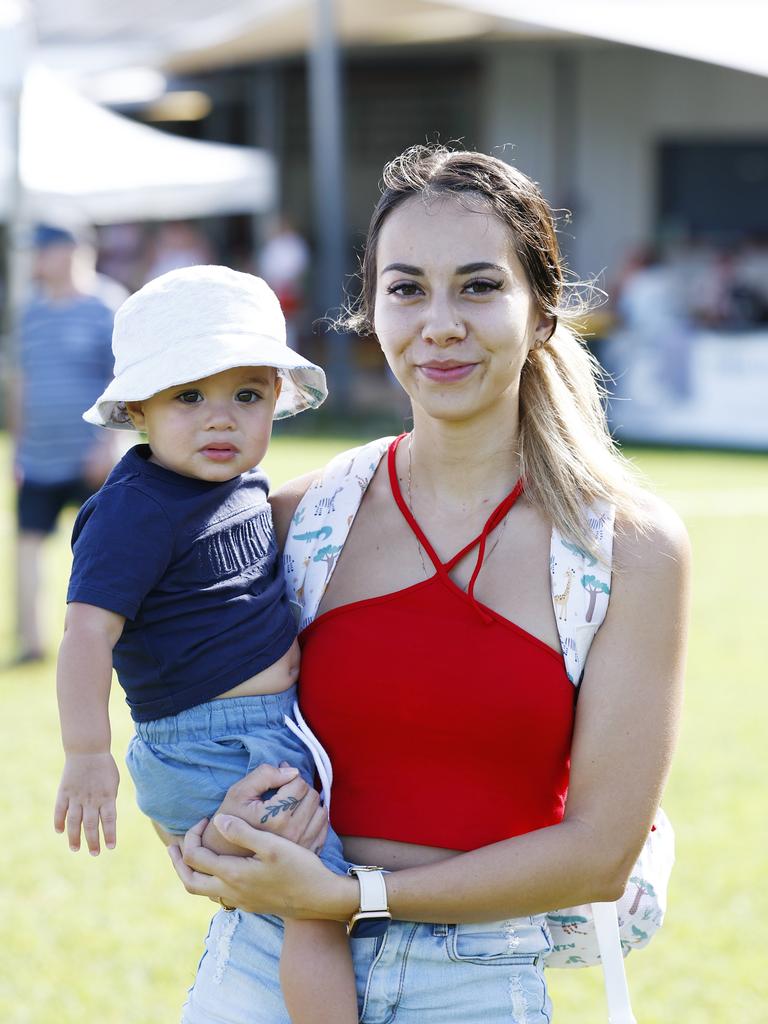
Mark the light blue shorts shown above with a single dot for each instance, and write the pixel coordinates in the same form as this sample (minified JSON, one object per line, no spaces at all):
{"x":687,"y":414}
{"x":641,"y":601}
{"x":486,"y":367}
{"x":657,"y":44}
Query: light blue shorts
{"x":416,"y":974}
{"x":182,"y":765}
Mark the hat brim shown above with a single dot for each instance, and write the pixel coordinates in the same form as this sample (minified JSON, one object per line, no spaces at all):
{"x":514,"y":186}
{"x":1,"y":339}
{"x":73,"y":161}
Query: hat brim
{"x":304,"y":386}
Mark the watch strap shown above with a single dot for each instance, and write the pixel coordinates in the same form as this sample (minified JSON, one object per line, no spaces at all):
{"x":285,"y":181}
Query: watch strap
{"x":372,"y":919}
{"x":373,"y":889}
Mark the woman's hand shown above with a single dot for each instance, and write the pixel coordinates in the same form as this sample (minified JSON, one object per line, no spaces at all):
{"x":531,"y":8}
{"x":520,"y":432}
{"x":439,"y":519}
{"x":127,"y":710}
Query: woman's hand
{"x":293,"y":811}
{"x":279,"y":877}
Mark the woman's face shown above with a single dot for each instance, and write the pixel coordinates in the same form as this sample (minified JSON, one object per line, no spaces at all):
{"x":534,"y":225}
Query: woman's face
{"x":453,"y":312}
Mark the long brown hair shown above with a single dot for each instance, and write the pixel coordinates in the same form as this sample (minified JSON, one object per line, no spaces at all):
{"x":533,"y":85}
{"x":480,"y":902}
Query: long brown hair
{"x":568,"y":457}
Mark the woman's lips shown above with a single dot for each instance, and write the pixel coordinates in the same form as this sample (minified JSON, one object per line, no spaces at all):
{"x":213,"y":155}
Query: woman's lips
{"x":446,"y":372}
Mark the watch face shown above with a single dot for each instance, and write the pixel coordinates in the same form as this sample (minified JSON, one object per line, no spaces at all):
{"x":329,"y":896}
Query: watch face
{"x":369,"y":927}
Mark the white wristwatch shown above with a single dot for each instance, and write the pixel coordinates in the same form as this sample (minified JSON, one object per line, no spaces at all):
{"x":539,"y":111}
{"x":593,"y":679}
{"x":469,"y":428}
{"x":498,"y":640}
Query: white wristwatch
{"x":373,"y":917}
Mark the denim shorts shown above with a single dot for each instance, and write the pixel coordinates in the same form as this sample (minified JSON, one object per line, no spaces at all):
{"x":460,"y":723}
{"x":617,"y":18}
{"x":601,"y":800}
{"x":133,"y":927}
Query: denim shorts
{"x":416,"y":974}
{"x":182,"y":765}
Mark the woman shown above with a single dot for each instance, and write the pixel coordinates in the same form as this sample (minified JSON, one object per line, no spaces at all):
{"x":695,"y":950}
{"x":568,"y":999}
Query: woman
{"x":436,"y":637}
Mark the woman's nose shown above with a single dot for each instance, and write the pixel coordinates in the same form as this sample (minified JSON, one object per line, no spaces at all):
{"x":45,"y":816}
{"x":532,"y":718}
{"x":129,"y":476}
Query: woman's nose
{"x":442,"y":324}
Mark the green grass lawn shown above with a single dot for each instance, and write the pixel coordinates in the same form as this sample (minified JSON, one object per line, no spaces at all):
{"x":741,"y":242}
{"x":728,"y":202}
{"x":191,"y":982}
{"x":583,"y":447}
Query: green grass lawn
{"x":116,"y":939}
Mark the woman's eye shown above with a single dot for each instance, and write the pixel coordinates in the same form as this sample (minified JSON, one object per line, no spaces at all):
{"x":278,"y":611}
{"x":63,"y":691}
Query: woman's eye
{"x":247,"y":396}
{"x":481,"y":286}
{"x":189,"y":397}
{"x":405,"y":289}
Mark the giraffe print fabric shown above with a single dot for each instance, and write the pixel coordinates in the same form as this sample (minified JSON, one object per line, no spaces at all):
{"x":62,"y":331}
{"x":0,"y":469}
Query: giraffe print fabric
{"x":321,"y":523}
{"x":581,"y":588}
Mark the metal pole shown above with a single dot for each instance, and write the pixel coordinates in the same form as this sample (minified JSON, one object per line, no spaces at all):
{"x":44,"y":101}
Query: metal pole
{"x":18,"y":41}
{"x":265,"y":122}
{"x":566,"y":143}
{"x":12,"y":271}
{"x":327,"y":159}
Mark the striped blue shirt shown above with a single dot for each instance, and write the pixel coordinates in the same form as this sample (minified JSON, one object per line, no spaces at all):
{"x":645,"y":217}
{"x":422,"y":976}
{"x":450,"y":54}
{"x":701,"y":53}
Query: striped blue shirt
{"x":65,"y":357}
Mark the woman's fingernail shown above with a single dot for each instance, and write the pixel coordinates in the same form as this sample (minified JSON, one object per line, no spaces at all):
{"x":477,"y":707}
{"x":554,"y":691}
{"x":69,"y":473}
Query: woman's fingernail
{"x":285,"y":769}
{"x":222,"y":822}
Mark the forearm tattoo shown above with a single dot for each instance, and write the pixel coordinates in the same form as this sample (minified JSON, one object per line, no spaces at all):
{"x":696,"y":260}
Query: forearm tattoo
{"x":290,"y":804}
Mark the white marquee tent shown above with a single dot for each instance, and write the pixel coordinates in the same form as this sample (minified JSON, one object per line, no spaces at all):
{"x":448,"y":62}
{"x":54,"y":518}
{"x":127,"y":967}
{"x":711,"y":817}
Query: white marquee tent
{"x":65,"y":159}
{"x":730,"y":33}
{"x":79,"y":161}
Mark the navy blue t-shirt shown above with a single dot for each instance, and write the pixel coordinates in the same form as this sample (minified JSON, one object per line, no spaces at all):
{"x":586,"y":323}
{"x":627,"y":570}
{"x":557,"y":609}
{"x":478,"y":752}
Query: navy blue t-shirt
{"x":194,"y":568}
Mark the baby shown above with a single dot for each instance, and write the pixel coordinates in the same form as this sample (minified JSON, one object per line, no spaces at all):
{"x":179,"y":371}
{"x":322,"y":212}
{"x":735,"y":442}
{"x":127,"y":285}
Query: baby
{"x":177,"y":582}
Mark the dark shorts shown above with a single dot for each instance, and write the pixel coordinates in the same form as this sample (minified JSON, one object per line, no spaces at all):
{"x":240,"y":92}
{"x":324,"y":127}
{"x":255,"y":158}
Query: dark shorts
{"x":38,"y":505}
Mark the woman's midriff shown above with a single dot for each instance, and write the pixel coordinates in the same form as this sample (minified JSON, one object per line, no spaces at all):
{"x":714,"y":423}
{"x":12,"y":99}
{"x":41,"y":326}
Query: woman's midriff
{"x":392,"y":855}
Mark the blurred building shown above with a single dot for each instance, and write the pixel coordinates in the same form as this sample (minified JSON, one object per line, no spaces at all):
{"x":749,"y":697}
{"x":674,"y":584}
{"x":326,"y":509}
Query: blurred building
{"x":650,"y":129}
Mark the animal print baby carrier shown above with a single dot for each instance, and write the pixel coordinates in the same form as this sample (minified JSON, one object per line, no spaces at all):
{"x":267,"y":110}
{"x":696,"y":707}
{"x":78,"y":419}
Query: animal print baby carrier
{"x":581,"y":586}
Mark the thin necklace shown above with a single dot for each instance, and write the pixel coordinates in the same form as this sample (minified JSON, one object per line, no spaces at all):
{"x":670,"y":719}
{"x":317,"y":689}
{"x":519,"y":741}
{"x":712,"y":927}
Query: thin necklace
{"x":495,"y":544}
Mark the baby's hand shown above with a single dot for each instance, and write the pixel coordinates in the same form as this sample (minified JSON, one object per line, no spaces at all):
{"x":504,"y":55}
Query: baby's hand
{"x":87,"y":793}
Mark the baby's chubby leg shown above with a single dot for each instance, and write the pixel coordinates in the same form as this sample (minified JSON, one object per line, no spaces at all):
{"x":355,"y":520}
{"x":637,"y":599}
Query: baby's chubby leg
{"x":316,"y":973}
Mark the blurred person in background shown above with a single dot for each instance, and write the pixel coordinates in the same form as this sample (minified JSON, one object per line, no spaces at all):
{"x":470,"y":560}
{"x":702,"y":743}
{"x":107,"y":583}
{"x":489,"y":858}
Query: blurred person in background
{"x":176,"y":244}
{"x":747,"y":296}
{"x":121,"y":253}
{"x":283,"y":263}
{"x":651,"y":306}
{"x":722,"y":287}
{"x":64,"y":360}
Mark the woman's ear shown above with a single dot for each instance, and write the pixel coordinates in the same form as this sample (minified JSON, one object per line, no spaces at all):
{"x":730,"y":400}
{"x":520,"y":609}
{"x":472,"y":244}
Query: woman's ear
{"x":136,"y":413}
{"x":546,"y":325}
{"x":278,"y":385}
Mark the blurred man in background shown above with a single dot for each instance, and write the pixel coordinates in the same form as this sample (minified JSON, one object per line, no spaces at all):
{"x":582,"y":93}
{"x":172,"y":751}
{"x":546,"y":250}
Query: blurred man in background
{"x":284,"y":263}
{"x":64,"y":360}
{"x":176,"y":244}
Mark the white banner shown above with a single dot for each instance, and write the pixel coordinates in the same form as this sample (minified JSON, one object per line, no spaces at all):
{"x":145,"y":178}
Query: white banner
{"x":690,"y":387}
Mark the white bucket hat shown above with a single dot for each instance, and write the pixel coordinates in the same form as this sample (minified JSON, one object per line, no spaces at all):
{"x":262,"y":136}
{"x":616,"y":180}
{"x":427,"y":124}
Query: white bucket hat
{"x":192,"y":323}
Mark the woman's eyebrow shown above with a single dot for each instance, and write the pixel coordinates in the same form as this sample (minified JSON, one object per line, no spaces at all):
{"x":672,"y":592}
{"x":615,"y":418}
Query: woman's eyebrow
{"x":472,"y":268}
{"x":404,"y":268}
{"x":466,"y":268}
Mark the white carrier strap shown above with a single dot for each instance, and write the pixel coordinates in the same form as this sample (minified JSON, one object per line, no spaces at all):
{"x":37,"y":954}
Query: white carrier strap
{"x":609,"y":943}
{"x":321,"y":523}
{"x":317,"y":533}
{"x":581,"y":587}
{"x":301,"y":730}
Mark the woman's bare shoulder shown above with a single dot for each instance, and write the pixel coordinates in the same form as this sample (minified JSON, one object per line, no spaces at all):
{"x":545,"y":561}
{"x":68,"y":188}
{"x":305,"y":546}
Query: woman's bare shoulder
{"x":658,"y":545}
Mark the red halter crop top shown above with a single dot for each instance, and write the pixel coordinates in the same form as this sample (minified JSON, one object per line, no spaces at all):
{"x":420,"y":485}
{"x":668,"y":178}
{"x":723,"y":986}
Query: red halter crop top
{"x":446,"y":724}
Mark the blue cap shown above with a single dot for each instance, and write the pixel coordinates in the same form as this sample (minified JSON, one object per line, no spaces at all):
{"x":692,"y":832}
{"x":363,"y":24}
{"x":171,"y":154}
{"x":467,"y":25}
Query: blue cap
{"x":47,"y":234}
